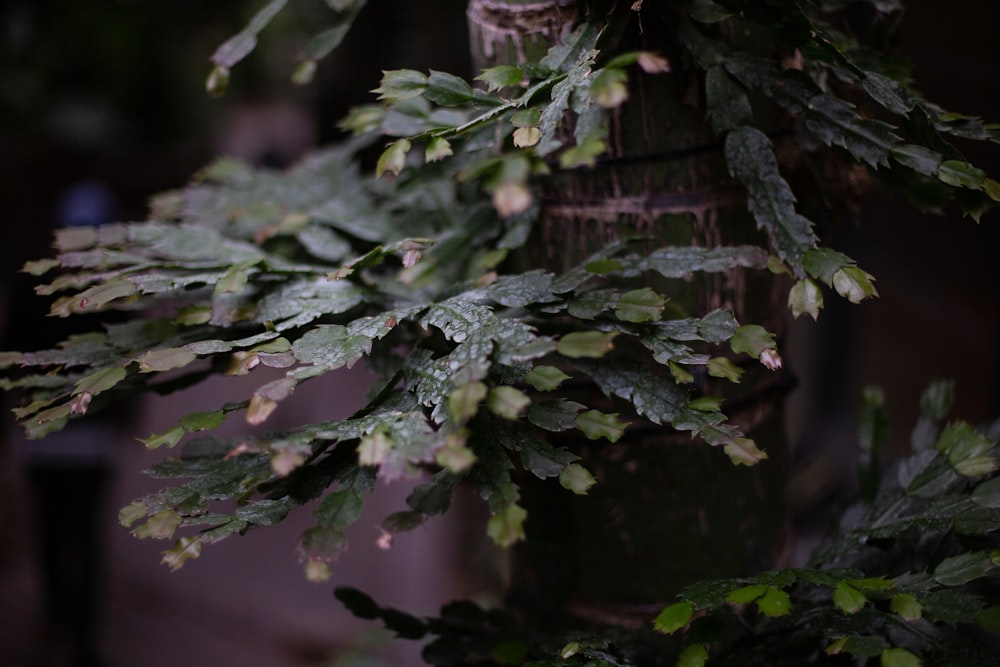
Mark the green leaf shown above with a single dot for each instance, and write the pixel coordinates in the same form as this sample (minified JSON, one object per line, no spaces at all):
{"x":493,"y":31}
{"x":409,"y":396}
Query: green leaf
{"x":160,"y":526}
{"x":202,"y":421}
{"x":464,"y":402}
{"x":727,"y":102}
{"x":169,"y":438}
{"x":641,"y":305}
{"x":976,"y":466}
{"x":823,"y":263}
{"x":595,"y":424}
{"x":331,"y":346}
{"x":906,"y":606}
{"x":989,"y":619}
{"x":576,"y":478}
{"x":393,"y":158}
{"x":237,"y":47}
{"x":506,"y":527}
{"x":750,"y":157}
{"x":99,"y":381}
{"x":721,"y":367}
{"x":554,"y":416}
{"x":961,"y":174}
{"x":987,"y":494}
{"x":656,"y":398}
{"x":165,"y":360}
{"x":774,"y":603}
{"x":585,"y":152}
{"x":233,"y":280}
{"x":502,"y":76}
{"x":918,"y":158}
{"x":706,"y":403}
{"x":184,"y":549}
{"x":899,"y":657}
{"x":437,"y":149}
{"x":608,"y":87}
{"x":455,"y":456}
{"x":401,"y":84}
{"x":681,"y":375}
{"x":586,"y":344}
{"x":744,"y":451}
{"x":94,"y":298}
{"x":373,"y":448}
{"x":545,"y":378}
{"x":507,"y":402}
{"x":848,"y":599}
{"x":805,"y":297}
{"x":746,"y":594}
{"x":960,"y":442}
{"x":836,"y":123}
{"x":854,"y":284}
{"x":131,"y":513}
{"x":752,"y":339}
{"x":673,"y":618}
{"x":694,"y":655}
{"x":322,"y":543}
{"x":339,"y":509}
{"x":447,"y":89}
{"x":963,"y":568}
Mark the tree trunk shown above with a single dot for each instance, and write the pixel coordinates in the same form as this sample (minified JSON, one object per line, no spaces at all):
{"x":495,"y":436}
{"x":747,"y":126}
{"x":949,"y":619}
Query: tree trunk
{"x":666,"y":510}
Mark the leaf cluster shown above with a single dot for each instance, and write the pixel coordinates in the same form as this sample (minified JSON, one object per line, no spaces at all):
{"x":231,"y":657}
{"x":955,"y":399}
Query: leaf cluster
{"x":909,"y":578}
{"x":410,"y":270}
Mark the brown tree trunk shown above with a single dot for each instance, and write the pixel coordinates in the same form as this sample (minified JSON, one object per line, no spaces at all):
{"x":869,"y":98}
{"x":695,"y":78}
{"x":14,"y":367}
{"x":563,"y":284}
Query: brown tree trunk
{"x":666,"y":510}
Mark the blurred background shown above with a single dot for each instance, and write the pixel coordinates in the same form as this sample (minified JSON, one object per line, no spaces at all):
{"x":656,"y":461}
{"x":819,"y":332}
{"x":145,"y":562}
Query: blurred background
{"x":102,"y":105}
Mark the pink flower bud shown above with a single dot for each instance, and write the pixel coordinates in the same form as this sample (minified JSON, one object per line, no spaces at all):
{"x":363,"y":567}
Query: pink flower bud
{"x":771,"y":359}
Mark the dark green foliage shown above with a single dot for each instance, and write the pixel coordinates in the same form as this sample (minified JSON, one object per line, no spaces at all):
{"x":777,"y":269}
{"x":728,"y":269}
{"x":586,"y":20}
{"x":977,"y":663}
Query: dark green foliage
{"x":414,"y":271}
{"x":891,"y":583}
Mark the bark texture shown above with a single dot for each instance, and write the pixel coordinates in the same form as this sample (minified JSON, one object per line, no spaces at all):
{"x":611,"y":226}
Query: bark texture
{"x":666,"y":510}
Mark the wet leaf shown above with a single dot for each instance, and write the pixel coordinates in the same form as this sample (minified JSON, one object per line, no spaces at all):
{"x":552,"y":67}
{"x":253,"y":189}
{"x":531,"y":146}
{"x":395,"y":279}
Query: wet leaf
{"x":750,"y":157}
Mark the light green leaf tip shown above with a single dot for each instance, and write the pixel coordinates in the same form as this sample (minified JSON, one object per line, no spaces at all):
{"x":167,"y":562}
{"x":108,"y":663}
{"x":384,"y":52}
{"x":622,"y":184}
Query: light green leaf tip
{"x":673,"y":618}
